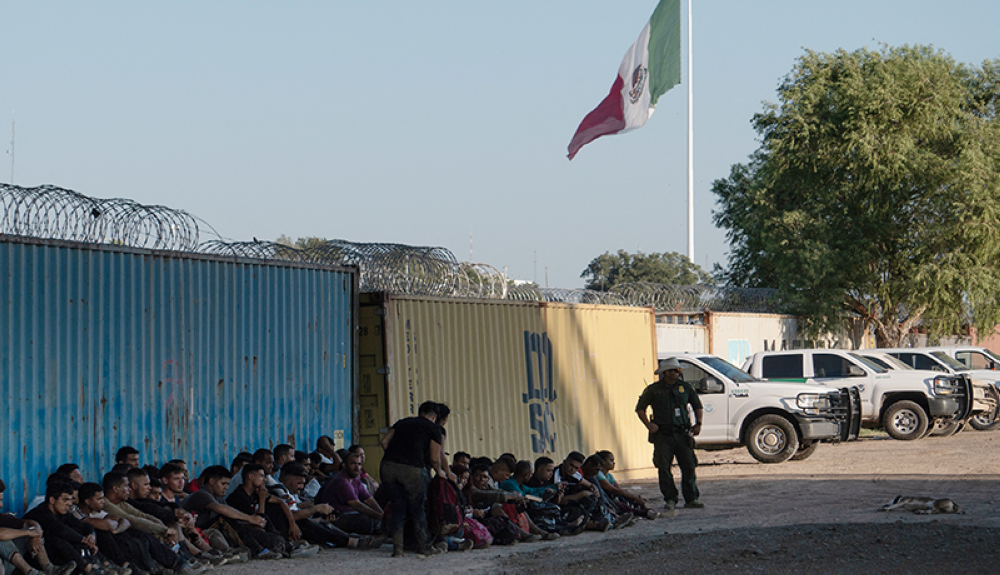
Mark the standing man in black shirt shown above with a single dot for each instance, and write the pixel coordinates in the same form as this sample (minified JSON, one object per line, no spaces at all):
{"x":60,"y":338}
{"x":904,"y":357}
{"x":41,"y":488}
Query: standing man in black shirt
{"x":670,"y":397}
{"x":409,"y":446}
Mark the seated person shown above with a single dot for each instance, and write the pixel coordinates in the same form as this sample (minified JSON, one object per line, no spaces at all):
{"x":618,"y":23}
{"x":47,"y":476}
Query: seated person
{"x":544,"y":469}
{"x":72,"y":472}
{"x":174,"y":478}
{"x":139,"y":497}
{"x":461,"y":458}
{"x":605,"y":508}
{"x":214,"y":515}
{"x":157,"y":535}
{"x":67,"y":539}
{"x":626,"y":500}
{"x":350,"y":498}
{"x":370,"y":482}
{"x":262,"y":457}
{"x":283,"y":453}
{"x":518,"y":482}
{"x":21,"y":540}
{"x":127,"y":455}
{"x":313,"y":485}
{"x":329,"y":461}
{"x":111,"y":531}
{"x":315,"y":519}
{"x":253,"y":499}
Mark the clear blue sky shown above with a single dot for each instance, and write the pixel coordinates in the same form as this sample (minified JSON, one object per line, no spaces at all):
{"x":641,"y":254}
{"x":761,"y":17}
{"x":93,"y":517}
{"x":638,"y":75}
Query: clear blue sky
{"x":416,"y":122}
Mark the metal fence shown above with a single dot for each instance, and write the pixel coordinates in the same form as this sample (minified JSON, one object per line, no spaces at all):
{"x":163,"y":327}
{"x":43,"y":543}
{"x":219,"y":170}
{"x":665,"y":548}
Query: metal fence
{"x":56,"y":213}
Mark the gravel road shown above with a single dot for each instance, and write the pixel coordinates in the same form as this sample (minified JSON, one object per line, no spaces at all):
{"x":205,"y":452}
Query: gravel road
{"x":817,"y":515}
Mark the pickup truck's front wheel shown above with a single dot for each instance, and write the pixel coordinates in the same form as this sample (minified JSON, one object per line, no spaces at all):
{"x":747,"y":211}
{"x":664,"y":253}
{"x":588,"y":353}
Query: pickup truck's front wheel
{"x":772,"y":439}
{"x":806,"y":448}
{"x":905,"y":420}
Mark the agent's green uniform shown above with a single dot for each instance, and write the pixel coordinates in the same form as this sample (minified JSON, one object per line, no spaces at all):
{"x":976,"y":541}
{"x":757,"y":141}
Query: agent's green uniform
{"x":670,"y":413}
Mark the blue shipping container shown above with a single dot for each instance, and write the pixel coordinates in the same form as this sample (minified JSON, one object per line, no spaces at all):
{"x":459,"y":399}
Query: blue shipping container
{"x":179,"y":355}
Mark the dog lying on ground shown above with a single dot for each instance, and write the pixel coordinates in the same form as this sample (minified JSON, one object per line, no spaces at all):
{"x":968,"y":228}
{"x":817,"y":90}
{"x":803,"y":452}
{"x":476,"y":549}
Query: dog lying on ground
{"x":922,"y":505}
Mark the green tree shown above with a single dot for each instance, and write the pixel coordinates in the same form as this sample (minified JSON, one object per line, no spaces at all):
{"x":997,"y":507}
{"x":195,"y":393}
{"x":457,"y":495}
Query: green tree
{"x":874,"y":190}
{"x":608,"y":270}
{"x":301,"y":243}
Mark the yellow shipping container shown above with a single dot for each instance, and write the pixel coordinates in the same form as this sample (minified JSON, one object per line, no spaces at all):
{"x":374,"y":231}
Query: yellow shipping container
{"x":531,"y":378}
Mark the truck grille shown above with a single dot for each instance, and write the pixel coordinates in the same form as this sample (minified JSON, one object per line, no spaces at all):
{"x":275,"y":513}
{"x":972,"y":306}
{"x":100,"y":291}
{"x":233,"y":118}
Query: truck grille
{"x":845,"y":407}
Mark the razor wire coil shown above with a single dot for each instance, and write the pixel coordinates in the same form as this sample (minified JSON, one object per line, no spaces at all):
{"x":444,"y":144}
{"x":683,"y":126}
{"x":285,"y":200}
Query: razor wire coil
{"x":56,"y":213}
{"x":51,"y":212}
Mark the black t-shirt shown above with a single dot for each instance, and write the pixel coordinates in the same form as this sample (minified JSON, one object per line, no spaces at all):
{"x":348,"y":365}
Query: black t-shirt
{"x":243,"y":502}
{"x":8,"y":521}
{"x":154,"y":508}
{"x":411,"y":441}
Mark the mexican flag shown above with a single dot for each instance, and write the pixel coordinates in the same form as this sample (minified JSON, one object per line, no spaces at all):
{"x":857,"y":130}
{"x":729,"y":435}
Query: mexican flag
{"x":651,"y":67}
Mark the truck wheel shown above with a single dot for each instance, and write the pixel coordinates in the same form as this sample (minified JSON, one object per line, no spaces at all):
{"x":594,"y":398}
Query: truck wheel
{"x":806,"y":448}
{"x":945,"y":428}
{"x":772,"y":439}
{"x":984,"y":422}
{"x":905,"y":420}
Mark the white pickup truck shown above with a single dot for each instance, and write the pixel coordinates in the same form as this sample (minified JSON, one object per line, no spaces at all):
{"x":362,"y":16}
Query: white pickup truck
{"x":776,"y":421}
{"x":975,"y":362}
{"x":906,"y":403}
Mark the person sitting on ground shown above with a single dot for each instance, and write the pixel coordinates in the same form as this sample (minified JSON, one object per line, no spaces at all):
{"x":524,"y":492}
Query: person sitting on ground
{"x":543,"y":511}
{"x":158,"y":536}
{"x":239,"y":461}
{"x":350,"y":498}
{"x":312,"y":486}
{"x":215,"y":517}
{"x":252,"y":499}
{"x":461,"y":458}
{"x":139,"y":497}
{"x":127,"y":455}
{"x":174,"y":479}
{"x":544,"y":469}
{"x":262,"y":457}
{"x":624,"y":498}
{"x":283,"y":453}
{"x":619,"y":518}
{"x":111,"y":531}
{"x":517,"y":482}
{"x":67,"y":539}
{"x":21,"y":540}
{"x":495,"y":504}
{"x":315,"y":519}
{"x":329,"y":462}
{"x":370,"y":484}
{"x":72,"y":472}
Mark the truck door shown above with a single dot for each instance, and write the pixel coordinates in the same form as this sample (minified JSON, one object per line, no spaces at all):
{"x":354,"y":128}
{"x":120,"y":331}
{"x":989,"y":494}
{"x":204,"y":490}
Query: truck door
{"x":715,"y":426}
{"x":830,"y":368}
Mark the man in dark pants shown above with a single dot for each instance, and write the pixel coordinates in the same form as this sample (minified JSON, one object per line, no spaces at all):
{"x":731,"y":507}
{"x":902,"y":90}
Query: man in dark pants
{"x":409,"y":446}
{"x":670,"y":397}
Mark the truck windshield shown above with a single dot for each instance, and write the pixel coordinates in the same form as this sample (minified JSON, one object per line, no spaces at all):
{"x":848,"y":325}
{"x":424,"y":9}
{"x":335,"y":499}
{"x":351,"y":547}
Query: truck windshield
{"x":951,"y":362}
{"x":727,"y":369}
{"x":871,"y":364}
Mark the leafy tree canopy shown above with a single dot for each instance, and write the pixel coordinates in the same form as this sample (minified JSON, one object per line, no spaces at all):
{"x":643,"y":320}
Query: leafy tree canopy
{"x":608,"y":270}
{"x":875,"y":189}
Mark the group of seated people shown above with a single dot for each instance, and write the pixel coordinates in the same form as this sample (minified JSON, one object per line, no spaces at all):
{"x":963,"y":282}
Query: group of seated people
{"x":156,"y":520}
{"x":279,"y":503}
{"x":504,"y":501}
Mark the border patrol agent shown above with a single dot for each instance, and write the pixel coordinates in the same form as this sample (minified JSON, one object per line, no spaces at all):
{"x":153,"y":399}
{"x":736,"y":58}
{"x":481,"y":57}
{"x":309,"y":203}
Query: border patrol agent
{"x":668,"y":431}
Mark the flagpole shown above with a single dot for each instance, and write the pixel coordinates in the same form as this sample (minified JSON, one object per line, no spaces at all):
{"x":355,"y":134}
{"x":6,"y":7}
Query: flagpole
{"x":690,"y":147}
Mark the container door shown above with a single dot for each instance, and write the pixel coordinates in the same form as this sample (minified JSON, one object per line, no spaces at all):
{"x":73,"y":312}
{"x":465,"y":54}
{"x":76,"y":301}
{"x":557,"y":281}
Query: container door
{"x":372,"y":395}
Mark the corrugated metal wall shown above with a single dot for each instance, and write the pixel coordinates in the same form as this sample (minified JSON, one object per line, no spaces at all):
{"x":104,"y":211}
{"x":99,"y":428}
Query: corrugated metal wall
{"x":678,"y":338}
{"x":530,"y":378}
{"x":175,"y":354}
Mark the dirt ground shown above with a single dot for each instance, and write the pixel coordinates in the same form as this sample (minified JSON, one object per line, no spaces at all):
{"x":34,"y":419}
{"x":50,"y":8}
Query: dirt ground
{"x":817,"y":515}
